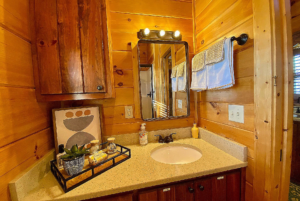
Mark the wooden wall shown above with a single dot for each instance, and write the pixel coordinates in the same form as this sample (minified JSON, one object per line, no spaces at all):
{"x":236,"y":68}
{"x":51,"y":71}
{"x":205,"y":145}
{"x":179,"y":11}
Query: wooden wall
{"x":214,"y":20}
{"x":25,"y":128}
{"x":127,"y":17}
{"x":295,"y":11}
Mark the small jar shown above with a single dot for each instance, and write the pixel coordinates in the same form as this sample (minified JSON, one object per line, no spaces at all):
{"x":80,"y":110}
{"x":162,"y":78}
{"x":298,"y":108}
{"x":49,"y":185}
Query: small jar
{"x":111,"y":146}
{"x":94,"y":146}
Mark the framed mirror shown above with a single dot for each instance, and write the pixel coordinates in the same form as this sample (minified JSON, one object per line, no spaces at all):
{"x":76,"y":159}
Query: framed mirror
{"x":164,"y":79}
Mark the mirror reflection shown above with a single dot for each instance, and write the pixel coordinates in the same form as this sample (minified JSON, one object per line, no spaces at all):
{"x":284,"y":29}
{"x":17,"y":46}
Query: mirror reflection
{"x":163,"y":79}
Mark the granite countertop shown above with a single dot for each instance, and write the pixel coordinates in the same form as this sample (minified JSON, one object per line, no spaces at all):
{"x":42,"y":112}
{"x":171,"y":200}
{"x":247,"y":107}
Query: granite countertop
{"x":138,"y":172}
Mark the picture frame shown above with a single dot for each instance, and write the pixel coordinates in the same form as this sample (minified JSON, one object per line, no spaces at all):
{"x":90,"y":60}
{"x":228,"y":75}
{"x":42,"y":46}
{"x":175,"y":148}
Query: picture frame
{"x":76,"y":125}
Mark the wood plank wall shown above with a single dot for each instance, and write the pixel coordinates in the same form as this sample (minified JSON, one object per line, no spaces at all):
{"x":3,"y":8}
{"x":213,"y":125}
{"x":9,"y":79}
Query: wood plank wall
{"x":214,"y":20}
{"x":127,"y":17}
{"x":295,"y":11}
{"x":25,"y":128}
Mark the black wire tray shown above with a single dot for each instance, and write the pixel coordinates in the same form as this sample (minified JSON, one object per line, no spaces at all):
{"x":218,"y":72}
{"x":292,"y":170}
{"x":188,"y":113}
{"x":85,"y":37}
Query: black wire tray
{"x":68,"y":183}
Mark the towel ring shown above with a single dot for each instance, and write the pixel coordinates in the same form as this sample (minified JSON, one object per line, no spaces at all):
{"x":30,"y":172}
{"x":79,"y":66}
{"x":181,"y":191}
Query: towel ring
{"x":241,"y":40}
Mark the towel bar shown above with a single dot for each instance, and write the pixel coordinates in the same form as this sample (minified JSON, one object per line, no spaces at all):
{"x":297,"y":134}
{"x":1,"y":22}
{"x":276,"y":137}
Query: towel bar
{"x":241,"y":40}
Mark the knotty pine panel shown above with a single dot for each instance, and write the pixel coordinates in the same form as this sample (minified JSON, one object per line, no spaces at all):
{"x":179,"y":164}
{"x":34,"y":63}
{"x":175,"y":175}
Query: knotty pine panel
{"x":15,"y":17}
{"x":166,"y":8}
{"x":239,"y":135}
{"x":250,"y":171}
{"x":22,"y":114}
{"x":218,"y":112}
{"x":15,"y":60}
{"x":248,"y":192}
{"x":121,"y":22}
{"x":200,"y":6}
{"x":123,"y":78}
{"x":22,"y":154}
{"x":211,"y":12}
{"x":122,"y":60}
{"x":213,"y":34}
{"x":295,"y":24}
{"x":295,"y":9}
{"x":241,"y":93}
{"x":116,"y":115}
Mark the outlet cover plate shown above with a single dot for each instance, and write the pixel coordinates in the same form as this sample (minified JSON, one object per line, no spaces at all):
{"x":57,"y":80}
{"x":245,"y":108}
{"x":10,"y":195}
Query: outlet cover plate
{"x":128,"y":112}
{"x":236,"y":113}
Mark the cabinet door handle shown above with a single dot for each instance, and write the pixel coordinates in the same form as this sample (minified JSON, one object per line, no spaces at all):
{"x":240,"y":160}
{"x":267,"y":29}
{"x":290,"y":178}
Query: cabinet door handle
{"x":191,"y":190}
{"x":201,"y":188}
{"x":99,"y":87}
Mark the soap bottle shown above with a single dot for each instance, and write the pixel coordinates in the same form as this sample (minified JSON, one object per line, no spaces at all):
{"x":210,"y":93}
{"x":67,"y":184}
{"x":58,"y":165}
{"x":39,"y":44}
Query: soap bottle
{"x":195,"y":131}
{"x":61,"y":152}
{"x":143,"y":135}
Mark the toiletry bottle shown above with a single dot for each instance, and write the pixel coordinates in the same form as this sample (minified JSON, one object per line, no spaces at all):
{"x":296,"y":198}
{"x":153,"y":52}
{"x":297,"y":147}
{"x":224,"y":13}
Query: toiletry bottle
{"x":143,"y":135}
{"x":195,"y":131}
{"x":61,"y":152}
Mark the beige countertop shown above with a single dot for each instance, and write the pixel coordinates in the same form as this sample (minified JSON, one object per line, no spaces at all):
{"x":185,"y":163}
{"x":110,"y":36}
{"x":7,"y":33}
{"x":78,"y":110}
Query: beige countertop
{"x":139,"y":172}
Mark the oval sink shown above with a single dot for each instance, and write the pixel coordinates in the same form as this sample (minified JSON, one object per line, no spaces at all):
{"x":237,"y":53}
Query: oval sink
{"x":176,"y":154}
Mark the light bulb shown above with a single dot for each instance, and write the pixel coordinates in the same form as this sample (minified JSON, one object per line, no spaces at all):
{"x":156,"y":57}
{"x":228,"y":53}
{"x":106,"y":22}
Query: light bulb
{"x":146,"y":32}
{"x":177,"y":34}
{"x":162,"y":33}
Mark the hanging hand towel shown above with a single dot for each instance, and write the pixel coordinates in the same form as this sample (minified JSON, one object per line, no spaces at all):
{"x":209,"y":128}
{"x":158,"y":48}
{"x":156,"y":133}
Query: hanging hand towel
{"x":199,"y":81}
{"x":181,"y":76}
{"x":174,"y":79}
{"x":220,"y":75}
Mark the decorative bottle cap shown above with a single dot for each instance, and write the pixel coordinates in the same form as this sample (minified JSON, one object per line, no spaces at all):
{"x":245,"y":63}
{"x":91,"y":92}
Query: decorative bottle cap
{"x":61,"y":148}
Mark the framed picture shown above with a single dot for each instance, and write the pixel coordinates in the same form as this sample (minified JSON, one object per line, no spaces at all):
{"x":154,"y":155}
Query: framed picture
{"x":76,"y":125}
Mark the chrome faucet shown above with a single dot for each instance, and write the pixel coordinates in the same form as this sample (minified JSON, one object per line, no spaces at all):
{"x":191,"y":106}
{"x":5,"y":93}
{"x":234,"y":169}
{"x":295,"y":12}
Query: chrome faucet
{"x":167,"y":139}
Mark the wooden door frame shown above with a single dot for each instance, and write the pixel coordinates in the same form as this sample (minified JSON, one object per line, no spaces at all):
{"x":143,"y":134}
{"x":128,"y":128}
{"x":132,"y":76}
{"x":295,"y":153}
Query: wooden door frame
{"x":273,"y":98}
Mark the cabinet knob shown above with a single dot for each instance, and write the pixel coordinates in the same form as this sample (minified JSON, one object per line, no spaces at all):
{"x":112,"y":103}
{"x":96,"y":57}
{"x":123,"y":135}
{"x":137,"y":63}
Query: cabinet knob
{"x":201,"y":188}
{"x":191,"y":190}
{"x":99,"y":87}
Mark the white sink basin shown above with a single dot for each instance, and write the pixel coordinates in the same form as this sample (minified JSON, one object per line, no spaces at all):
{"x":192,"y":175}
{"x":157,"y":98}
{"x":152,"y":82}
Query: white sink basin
{"x":176,"y":154}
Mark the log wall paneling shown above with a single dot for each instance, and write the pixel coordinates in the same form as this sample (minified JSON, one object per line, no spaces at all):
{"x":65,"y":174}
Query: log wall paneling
{"x":214,"y":20}
{"x":25,"y":134}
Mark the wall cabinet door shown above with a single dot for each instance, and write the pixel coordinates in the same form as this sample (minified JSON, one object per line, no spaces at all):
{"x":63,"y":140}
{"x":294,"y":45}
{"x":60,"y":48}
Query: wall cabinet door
{"x":185,"y":192}
{"x":70,"y":50}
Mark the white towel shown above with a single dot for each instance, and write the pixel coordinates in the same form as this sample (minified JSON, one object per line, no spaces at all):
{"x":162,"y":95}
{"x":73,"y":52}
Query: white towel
{"x":221,"y":75}
{"x":181,"y":77}
{"x":199,"y":81}
{"x":174,"y":79}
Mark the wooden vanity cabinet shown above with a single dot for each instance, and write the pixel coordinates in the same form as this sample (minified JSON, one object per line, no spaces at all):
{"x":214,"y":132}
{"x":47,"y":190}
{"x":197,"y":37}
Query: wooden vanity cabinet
{"x":70,"y":47}
{"x":228,"y":186}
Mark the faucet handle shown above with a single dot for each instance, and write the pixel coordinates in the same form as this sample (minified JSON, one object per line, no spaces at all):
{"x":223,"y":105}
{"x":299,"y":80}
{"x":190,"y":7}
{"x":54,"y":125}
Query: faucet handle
{"x":171,"y":136}
{"x":160,"y":140}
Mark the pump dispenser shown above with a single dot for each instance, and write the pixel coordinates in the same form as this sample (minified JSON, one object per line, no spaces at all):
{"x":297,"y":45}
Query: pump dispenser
{"x":143,"y":135}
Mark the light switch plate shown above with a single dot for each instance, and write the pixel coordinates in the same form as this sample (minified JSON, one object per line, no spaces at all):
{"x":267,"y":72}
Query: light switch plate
{"x":180,"y":104}
{"x":128,"y":112}
{"x":236,"y":113}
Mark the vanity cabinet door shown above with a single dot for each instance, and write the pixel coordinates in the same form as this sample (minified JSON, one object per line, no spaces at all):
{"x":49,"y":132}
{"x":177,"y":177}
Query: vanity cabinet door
{"x":219,"y":188}
{"x":203,"y":190}
{"x":233,"y":187}
{"x":166,"y":194}
{"x":148,"y":196}
{"x":185,"y":192}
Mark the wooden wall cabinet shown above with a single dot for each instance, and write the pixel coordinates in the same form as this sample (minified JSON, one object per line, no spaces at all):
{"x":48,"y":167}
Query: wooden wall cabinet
{"x":227,"y":186}
{"x":71,"y":50}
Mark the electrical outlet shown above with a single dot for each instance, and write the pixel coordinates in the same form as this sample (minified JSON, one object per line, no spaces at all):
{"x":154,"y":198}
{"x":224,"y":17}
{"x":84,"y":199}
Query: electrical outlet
{"x":128,"y":112}
{"x":236,"y":113}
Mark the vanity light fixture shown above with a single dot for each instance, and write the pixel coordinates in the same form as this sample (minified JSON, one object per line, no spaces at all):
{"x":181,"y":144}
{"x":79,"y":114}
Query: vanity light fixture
{"x":176,"y":34}
{"x":146,"y":34}
{"x":162,"y":33}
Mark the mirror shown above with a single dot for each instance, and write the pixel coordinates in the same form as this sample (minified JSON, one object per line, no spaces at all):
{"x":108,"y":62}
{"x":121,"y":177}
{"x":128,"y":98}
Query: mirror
{"x":164,"y":77}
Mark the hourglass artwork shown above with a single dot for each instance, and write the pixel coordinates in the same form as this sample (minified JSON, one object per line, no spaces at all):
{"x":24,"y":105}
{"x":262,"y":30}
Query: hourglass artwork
{"x":78,"y":125}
